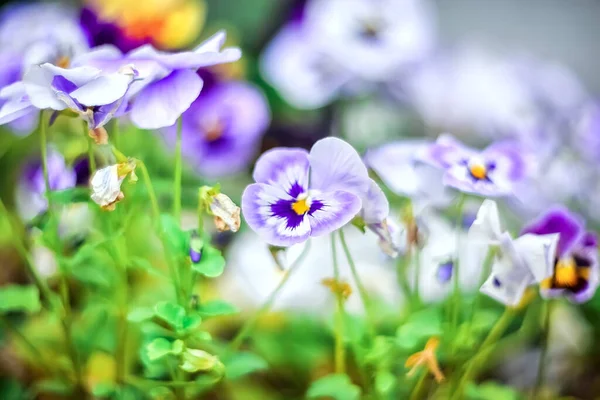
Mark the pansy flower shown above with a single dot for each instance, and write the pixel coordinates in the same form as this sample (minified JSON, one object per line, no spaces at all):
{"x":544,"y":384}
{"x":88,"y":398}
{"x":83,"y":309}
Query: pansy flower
{"x":492,"y":172}
{"x":168,"y":82}
{"x":397,"y":165}
{"x":31,"y":190}
{"x":575,"y":272}
{"x":94,"y":96}
{"x":221,"y":131}
{"x":298,"y":194}
{"x":374,"y":213}
{"x":518,"y":263}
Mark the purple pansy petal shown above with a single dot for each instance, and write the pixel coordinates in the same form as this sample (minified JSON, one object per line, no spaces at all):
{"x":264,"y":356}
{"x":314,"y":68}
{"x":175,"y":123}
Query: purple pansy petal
{"x":559,"y":220}
{"x":103,"y":90}
{"x":509,"y":160}
{"x":38,"y":83}
{"x":394,"y":163}
{"x":590,"y":240}
{"x":445,"y":152}
{"x":267,"y":210}
{"x":206,"y":54}
{"x":161,"y":103}
{"x":332,"y":210}
{"x":286,"y":169}
{"x":375,"y":206}
{"x":335,"y":165}
{"x":17,"y":104}
{"x":458,"y":177}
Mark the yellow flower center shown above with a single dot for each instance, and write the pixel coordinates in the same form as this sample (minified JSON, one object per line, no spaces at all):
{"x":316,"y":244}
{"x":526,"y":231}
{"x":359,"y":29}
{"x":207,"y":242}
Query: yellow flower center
{"x":300,"y":207}
{"x":63,"y":62}
{"x":565,"y":274}
{"x":478,"y":171}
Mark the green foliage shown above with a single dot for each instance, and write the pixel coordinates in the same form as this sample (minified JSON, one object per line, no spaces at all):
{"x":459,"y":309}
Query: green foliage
{"x":162,"y":347}
{"x":419,"y":327}
{"x":15,"y":298}
{"x":491,"y":391}
{"x":338,"y":387}
{"x":176,"y":239}
{"x":215,"y":308}
{"x":243,"y":363}
{"x":212,"y":263}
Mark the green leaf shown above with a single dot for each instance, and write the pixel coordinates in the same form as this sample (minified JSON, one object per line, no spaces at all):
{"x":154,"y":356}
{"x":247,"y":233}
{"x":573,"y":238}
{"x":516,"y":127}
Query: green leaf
{"x":211,"y":264}
{"x":161,"y":393}
{"x":73,"y":195}
{"x":217,"y":307}
{"x":419,"y":327}
{"x":491,"y":391}
{"x":161,"y":347}
{"x":53,"y":386}
{"x":384,"y":382}
{"x":240,"y":364}
{"x":19,"y":298}
{"x":191,"y":322}
{"x":171,"y":313}
{"x":140,"y":314}
{"x":177,"y":240}
{"x":337,"y":386}
{"x":146,"y":266}
{"x":103,"y":389}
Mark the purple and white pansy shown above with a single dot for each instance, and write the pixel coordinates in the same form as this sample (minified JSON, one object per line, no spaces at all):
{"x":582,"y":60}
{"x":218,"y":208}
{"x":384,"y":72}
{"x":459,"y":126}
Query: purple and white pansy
{"x":168,"y":82}
{"x":492,"y":172}
{"x":518,"y":263}
{"x":298,"y":194}
{"x":575,"y":272}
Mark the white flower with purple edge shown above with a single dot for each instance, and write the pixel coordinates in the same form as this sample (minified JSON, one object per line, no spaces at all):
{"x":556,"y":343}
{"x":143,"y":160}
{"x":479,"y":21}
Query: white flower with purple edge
{"x":286,"y":206}
{"x":493,"y":172}
{"x":518,"y":263}
{"x":168,"y":81}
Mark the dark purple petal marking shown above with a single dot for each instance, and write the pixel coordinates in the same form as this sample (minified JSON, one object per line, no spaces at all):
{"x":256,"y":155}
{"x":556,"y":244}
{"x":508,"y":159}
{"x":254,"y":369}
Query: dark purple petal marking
{"x":283,"y":209}
{"x":562,"y":221}
{"x":62,"y":84}
{"x":296,"y":190}
{"x":496,"y":282}
{"x":316,"y":205}
{"x":444,"y":272}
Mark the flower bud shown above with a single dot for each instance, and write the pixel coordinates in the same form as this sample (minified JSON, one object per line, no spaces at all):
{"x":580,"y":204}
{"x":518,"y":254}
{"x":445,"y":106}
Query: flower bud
{"x":106,"y":184}
{"x":226,"y":213}
{"x":195,"y":360}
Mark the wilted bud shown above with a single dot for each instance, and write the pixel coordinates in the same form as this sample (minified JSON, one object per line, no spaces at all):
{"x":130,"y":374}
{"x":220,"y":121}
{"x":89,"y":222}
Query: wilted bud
{"x":338,"y":287}
{"x":99,"y":135}
{"x":106,"y":184}
{"x":226,"y":213}
{"x":195,"y":360}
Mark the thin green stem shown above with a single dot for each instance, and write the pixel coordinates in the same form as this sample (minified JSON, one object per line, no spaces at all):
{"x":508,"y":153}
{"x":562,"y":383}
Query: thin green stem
{"x":178,"y":174}
{"x":456,"y":267}
{"x":417,"y":275}
{"x":484,"y":350}
{"x":44,"y":151}
{"x":401,"y":264}
{"x":114,"y":132}
{"x":417,"y":392}
{"x":340,"y":349}
{"x":364,"y":295}
{"x":251,"y":322}
{"x":122,"y":324}
{"x":35,"y":353}
{"x":150,"y":190}
{"x":29,"y":263}
{"x":90,"y":141}
{"x":541,"y":371}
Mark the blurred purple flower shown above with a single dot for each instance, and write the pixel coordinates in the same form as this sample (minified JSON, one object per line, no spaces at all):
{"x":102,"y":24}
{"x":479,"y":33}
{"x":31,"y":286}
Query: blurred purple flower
{"x":374,"y":40}
{"x":444,"y":272}
{"x":168,"y":82}
{"x":221,"y":130}
{"x":46,"y":32}
{"x":397,"y":165}
{"x":492,"y":172}
{"x":95,"y":96}
{"x":30,"y":193}
{"x":101,"y":32}
{"x":285,"y":206}
{"x":576,"y":265}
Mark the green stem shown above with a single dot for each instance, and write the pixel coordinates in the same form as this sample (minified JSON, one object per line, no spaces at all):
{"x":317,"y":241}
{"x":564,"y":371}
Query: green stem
{"x":484,"y":350}
{"x":364,"y":295}
{"x":417,"y":276}
{"x":340,"y":349}
{"x":35,"y":353}
{"x":178,"y":174}
{"x":29,"y":263}
{"x":541,"y":371}
{"x":417,"y":392}
{"x":150,"y":190}
{"x":401,"y":265}
{"x":456,"y":267}
{"x":114,"y":132}
{"x":44,"y":150}
{"x":251,"y":322}
{"x":122,"y":325}
{"x":90,"y":141}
